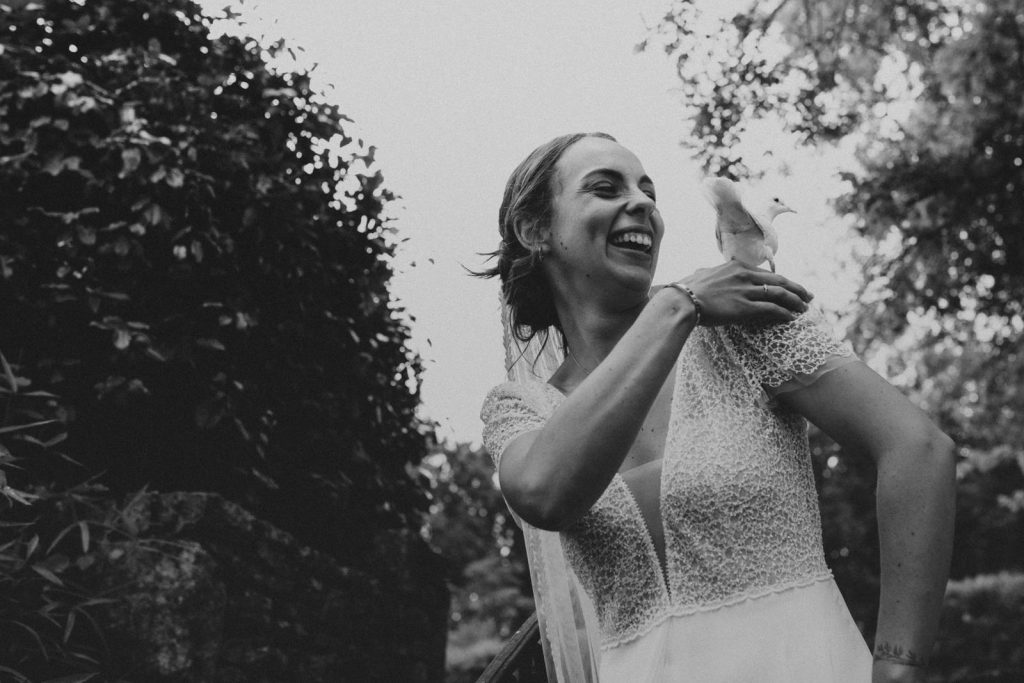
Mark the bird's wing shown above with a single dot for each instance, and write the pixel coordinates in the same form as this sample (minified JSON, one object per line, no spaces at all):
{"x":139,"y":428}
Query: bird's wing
{"x":732,"y":214}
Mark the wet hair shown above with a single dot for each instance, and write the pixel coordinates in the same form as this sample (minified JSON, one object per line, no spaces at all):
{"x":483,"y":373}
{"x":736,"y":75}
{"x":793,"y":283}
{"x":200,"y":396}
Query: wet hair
{"x":529,"y":197}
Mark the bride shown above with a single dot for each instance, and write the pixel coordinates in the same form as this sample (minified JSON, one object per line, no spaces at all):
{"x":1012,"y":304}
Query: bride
{"x":653,"y":444}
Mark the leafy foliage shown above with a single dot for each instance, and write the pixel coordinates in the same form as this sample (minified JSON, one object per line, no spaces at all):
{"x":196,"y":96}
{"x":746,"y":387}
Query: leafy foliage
{"x":984,"y":619}
{"x":50,"y":602}
{"x":194,"y":256}
{"x":930,"y":95}
{"x":470,"y":526}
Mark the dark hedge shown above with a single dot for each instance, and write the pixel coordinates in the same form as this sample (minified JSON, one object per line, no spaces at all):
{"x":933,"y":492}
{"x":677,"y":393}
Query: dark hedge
{"x":194,"y":257}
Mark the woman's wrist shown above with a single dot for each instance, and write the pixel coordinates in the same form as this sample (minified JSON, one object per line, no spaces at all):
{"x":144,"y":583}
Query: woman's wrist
{"x":698,"y":308}
{"x":883,"y":671}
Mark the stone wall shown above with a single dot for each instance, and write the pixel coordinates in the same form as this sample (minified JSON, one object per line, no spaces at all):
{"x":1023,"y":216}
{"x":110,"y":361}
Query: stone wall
{"x":226,"y":598}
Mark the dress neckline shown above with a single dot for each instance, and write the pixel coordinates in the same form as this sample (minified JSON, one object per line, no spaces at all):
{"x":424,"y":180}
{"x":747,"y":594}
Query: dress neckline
{"x":660,"y":559}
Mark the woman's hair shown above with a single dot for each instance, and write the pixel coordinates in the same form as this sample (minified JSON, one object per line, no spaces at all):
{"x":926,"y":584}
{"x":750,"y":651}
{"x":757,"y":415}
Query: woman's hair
{"x":529,"y":197}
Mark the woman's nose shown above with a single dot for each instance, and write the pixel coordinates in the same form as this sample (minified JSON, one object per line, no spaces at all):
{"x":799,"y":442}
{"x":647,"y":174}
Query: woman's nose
{"x":640,"y":201}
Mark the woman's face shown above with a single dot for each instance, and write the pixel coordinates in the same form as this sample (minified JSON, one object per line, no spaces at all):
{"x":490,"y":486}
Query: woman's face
{"x":605,"y":228}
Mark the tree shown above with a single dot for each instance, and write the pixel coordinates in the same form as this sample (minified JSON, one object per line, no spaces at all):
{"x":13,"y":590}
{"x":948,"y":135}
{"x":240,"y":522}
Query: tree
{"x":194,"y":257}
{"x":930,"y":94}
{"x":471,"y":528}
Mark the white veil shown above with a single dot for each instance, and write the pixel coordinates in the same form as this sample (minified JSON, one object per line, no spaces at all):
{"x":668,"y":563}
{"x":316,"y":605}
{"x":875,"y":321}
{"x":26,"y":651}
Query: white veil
{"x":568,"y":622}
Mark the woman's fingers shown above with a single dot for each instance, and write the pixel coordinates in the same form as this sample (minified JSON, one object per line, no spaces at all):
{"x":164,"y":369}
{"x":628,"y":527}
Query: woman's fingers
{"x":768,"y":312}
{"x":776,"y":280}
{"x":781,"y":296}
{"x":734,"y":292}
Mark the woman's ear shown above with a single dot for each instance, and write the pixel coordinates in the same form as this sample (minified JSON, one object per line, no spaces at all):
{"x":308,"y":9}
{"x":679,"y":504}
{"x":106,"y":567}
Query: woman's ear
{"x":531,"y":235}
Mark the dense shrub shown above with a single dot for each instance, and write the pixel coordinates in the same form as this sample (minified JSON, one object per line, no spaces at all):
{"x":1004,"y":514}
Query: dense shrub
{"x":469,"y":525}
{"x":194,"y":257}
{"x":51,"y":540}
{"x":982,"y":630}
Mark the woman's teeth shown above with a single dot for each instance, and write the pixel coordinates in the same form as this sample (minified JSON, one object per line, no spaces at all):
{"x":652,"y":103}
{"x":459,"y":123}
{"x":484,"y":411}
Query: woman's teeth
{"x":633,"y":240}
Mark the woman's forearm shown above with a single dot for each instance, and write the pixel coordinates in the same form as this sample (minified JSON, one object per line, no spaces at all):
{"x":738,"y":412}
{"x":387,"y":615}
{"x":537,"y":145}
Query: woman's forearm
{"x":916,"y":505}
{"x":574,"y":457}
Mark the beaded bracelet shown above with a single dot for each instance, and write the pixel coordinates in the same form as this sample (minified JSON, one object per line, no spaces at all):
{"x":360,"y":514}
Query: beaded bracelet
{"x":693,"y":297}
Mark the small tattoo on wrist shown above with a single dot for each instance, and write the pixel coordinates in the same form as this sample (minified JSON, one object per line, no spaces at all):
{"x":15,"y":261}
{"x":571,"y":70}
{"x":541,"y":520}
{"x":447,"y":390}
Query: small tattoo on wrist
{"x":887,"y":652}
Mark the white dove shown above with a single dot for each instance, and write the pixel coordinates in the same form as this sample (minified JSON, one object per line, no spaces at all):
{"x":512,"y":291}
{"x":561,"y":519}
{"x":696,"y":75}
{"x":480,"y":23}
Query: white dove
{"x":743,"y":235}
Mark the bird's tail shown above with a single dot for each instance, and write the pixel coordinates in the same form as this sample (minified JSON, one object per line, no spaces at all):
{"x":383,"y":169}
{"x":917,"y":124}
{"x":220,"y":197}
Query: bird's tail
{"x":720,"y":191}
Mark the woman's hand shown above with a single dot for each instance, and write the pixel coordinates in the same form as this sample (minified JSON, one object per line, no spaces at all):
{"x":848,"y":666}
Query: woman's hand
{"x":735,"y":293}
{"x":894,"y":672}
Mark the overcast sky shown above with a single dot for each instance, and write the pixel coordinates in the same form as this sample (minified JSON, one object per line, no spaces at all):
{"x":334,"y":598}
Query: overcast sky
{"x":454,"y":93}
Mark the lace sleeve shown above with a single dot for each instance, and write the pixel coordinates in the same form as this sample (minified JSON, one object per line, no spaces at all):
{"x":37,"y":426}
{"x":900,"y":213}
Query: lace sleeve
{"x":784,"y":357}
{"x":509,"y":410}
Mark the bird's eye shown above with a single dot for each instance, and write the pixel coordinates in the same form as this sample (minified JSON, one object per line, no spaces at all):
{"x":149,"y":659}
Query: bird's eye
{"x":775,"y":199}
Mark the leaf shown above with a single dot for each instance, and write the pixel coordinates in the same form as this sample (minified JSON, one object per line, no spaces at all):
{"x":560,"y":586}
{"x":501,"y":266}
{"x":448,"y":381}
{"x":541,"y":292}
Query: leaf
{"x":71,"y":678}
{"x":69,"y":626}
{"x":8,"y":373}
{"x":18,"y":428}
{"x":63,"y":532}
{"x":17,"y":496}
{"x":154,"y":214}
{"x":86,"y":234}
{"x":210,"y":344}
{"x":84,"y":529}
{"x":47,"y":574}
{"x":122,"y":339}
{"x":32,"y":545}
{"x":21,"y":678}
{"x":130,"y":160}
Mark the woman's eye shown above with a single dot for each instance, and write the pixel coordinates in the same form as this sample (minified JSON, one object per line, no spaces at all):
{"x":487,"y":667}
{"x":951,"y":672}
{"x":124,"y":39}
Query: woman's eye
{"x":605,"y":189}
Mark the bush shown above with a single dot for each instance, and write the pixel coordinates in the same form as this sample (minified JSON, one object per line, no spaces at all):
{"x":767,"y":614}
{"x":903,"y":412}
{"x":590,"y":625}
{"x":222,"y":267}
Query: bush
{"x":194,"y":257}
{"x":982,"y":633}
{"x":51,"y":604}
{"x":469,"y":525}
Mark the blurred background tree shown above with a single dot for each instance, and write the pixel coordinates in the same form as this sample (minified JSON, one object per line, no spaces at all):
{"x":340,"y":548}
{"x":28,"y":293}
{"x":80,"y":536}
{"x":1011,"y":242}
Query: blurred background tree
{"x":929,"y":98}
{"x":470,"y":526}
{"x":194,"y":257}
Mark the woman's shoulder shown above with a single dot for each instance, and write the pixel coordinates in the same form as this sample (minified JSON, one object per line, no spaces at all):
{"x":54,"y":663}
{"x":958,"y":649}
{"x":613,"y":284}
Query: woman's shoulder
{"x":778,"y":353}
{"x":527,"y":391}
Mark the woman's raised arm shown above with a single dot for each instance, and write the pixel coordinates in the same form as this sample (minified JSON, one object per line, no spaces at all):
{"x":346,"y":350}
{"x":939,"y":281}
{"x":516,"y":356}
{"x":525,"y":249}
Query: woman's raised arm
{"x":552,"y":476}
{"x":915,"y":501}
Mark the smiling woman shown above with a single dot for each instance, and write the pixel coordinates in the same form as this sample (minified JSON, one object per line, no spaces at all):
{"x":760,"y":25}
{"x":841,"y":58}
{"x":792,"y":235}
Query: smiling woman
{"x":669,"y":452}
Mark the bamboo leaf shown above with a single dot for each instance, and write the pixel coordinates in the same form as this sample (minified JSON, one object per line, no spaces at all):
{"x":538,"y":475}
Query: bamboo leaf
{"x":21,"y":678}
{"x":84,"y":529}
{"x":69,"y":626}
{"x":9,"y":374}
{"x":30,"y":425}
{"x":72,"y":678}
{"x":47,"y":574}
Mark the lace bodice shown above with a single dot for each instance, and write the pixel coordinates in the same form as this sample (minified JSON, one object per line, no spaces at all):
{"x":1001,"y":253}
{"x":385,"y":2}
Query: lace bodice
{"x":737,"y":499}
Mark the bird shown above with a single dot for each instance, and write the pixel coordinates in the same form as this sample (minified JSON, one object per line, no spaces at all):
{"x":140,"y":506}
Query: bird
{"x":742,"y":234}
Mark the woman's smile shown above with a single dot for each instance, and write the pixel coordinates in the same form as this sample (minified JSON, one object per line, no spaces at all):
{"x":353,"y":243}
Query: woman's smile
{"x":605,"y":226}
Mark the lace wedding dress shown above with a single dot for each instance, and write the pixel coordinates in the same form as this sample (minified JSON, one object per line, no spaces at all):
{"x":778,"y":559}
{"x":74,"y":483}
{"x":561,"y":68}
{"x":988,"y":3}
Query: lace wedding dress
{"x":707,"y":565}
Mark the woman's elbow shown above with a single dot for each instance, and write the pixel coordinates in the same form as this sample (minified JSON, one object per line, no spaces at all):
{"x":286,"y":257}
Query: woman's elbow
{"x":536,"y":505}
{"x":923,"y":451}
{"x":939,"y":452}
